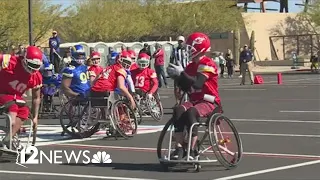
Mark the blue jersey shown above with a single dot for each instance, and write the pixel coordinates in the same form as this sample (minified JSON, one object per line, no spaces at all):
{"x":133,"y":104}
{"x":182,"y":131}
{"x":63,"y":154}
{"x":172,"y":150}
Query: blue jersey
{"x":80,"y":78}
{"x":55,"y":80}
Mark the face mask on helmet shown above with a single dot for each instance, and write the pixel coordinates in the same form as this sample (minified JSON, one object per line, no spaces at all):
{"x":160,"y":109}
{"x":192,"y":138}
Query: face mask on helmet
{"x":32,"y":60}
{"x":143,"y":63}
{"x":126,"y":63}
{"x":95,"y":61}
{"x":79,"y":57}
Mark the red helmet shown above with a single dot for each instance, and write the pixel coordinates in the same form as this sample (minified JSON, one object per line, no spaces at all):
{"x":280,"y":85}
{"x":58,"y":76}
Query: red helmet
{"x":143,"y":60}
{"x":32,"y":59}
{"x":124,"y":58}
{"x":132,"y":55}
{"x":198,"y":43}
{"x":95,"y":57}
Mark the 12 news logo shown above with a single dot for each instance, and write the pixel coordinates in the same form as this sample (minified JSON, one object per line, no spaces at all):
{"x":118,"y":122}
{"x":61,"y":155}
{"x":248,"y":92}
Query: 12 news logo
{"x":57,"y":156}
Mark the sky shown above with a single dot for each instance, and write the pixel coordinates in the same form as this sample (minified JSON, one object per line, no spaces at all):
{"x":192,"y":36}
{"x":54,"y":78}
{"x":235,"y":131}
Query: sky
{"x":272,"y":5}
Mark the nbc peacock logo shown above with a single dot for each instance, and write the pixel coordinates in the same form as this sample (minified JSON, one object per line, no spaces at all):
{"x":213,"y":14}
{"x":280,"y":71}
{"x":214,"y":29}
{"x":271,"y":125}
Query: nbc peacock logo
{"x":101,"y":157}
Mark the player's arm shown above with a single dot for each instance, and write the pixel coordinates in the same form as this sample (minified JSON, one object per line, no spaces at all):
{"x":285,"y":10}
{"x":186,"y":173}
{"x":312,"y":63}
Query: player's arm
{"x":92,"y":75}
{"x":197,"y":82}
{"x":67,"y":76}
{"x":154,"y":82}
{"x":35,"y":86}
{"x":36,"y":100}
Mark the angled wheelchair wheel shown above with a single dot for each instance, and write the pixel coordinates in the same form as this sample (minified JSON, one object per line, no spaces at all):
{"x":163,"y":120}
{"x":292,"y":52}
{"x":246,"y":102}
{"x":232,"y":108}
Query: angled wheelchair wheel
{"x":72,"y":117}
{"x":124,"y":119}
{"x":225,"y":141}
{"x":155,"y":107}
{"x":162,"y":149}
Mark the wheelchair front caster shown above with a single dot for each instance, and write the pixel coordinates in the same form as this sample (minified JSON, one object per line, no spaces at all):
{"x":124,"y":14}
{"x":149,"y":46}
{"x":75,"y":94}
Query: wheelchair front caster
{"x":197,"y":167}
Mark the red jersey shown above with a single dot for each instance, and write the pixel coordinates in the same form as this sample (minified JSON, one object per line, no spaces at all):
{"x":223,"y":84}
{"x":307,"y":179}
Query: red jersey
{"x":142,"y":78}
{"x":108,"y":80}
{"x":207,"y":67}
{"x":134,"y":66}
{"x":15,"y":80}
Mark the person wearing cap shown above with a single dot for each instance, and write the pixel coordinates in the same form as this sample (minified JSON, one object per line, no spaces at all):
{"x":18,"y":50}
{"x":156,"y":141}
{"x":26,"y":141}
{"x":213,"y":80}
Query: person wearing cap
{"x":179,"y":56}
{"x":146,"y":49}
{"x":246,"y":57}
{"x":54,"y":44}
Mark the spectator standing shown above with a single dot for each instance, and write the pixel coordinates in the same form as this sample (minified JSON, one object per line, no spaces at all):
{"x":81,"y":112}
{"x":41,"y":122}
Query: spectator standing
{"x":240,"y":50}
{"x":229,"y":63}
{"x":54,"y":44}
{"x":222,"y":64}
{"x":246,"y":57}
{"x":146,"y":49}
{"x":179,"y":55}
{"x":159,"y":65}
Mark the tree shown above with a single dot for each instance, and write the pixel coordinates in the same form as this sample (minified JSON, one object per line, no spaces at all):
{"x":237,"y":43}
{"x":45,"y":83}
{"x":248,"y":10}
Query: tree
{"x":129,"y":20}
{"x":14,"y":21}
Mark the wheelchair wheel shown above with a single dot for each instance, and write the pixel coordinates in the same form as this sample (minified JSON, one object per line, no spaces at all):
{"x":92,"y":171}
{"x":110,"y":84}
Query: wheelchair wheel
{"x":162,"y":146}
{"x":155,"y":107}
{"x":124,"y":119}
{"x":225,"y":141}
{"x":138,"y":113}
{"x":74,"y":114}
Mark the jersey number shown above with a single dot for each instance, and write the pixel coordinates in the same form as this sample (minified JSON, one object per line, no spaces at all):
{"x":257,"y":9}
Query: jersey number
{"x":84,"y":77}
{"x":20,"y":87}
{"x":139,"y":81}
{"x":106,"y":73}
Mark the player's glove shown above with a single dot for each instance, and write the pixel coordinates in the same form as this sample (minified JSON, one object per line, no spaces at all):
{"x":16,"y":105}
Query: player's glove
{"x":149,"y":96}
{"x":174,"y":70}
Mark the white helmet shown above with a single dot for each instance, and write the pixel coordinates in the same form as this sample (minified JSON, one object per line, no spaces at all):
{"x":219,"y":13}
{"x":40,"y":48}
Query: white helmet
{"x":181,"y":38}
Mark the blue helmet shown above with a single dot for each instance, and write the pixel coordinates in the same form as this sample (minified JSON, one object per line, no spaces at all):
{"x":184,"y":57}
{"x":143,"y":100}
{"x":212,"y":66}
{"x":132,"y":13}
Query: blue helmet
{"x":113,"y":57}
{"x":78,"y":54}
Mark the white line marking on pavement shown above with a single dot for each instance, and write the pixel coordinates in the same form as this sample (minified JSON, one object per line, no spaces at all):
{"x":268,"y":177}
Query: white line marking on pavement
{"x":300,"y":111}
{"x":277,"y":121}
{"x":269,"y":134}
{"x":269,"y":170}
{"x":71,"y":175}
{"x":155,"y":149}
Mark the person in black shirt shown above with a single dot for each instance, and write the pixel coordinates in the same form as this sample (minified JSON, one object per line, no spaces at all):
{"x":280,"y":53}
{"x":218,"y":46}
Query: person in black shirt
{"x":146,"y":49}
{"x":179,"y":55}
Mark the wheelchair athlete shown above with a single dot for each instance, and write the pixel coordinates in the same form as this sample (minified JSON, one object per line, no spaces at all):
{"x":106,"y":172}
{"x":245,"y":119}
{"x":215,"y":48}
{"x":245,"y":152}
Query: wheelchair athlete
{"x":51,"y":82}
{"x":111,"y":78}
{"x":18,"y":74}
{"x":200,"y":81}
{"x":144,"y":78}
{"x":75,"y":80}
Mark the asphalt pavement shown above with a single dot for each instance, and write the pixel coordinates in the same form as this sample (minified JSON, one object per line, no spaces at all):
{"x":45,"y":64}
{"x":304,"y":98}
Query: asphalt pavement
{"x":279,"y":125}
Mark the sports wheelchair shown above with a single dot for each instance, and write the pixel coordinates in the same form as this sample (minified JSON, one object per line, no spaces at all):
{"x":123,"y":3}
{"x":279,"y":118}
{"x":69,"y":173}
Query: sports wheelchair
{"x":87,"y":116}
{"x":216,"y":139}
{"x":146,"y":106}
{"x":6,"y":131}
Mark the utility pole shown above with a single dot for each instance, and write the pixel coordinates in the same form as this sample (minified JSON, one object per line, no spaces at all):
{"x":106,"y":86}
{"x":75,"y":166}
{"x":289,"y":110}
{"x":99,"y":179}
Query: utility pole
{"x":30,"y":22}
